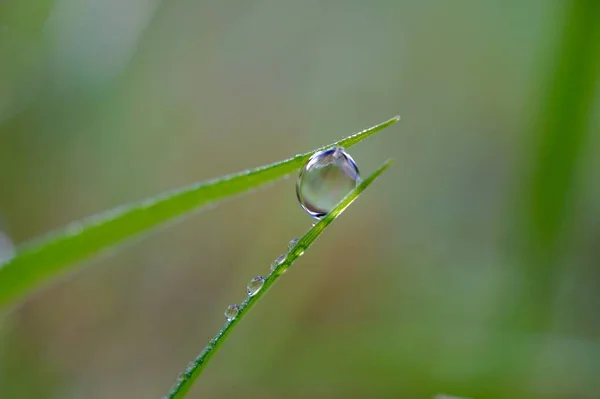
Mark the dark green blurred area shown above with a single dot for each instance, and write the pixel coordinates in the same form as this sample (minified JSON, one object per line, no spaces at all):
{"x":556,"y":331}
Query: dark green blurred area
{"x":470,"y":268}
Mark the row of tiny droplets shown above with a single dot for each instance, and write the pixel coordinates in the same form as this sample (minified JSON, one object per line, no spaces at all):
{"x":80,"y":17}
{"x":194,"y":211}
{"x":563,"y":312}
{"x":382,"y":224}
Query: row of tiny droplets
{"x":253,"y":287}
{"x":256,"y":284}
{"x":341,"y":160}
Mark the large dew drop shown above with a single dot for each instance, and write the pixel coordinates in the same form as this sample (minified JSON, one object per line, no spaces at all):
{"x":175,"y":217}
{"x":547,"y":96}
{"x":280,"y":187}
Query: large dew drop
{"x":231,"y":312}
{"x":325,"y":180}
{"x":255,"y":285}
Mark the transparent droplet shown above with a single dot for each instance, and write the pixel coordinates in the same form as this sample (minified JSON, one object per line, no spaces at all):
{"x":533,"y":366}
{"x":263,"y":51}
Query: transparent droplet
{"x":325,"y":180}
{"x":278,"y":261}
{"x":255,"y":285}
{"x":293,"y":243}
{"x":7,"y":248}
{"x":231,"y":312}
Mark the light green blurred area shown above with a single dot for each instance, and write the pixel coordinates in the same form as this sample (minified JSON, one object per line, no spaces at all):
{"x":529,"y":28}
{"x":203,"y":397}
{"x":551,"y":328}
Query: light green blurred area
{"x":440,"y":279}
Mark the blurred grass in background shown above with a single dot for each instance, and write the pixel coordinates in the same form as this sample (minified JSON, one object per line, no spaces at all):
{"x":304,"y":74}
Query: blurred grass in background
{"x":477,"y":269}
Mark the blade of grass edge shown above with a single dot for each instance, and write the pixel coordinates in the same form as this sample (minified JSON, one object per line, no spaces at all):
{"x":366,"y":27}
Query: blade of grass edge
{"x":189,"y":376}
{"x":53,"y":254}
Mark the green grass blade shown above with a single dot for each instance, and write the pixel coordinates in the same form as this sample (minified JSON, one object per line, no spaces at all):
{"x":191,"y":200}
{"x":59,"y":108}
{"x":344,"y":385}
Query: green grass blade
{"x":187,"y":378}
{"x":55,"y":254}
{"x":561,"y":132}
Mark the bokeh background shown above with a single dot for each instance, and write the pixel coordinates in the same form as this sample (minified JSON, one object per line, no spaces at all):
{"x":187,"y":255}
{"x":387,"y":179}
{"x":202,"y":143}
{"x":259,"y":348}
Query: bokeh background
{"x":470,"y":268}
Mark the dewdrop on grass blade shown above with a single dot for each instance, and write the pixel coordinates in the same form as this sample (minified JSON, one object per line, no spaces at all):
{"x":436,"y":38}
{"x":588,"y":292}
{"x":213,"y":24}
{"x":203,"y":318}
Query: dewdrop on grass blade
{"x":326,"y":178}
{"x":292,"y":243}
{"x":255,"y":285}
{"x":278,"y":261}
{"x":231,"y":312}
{"x":294,"y":249}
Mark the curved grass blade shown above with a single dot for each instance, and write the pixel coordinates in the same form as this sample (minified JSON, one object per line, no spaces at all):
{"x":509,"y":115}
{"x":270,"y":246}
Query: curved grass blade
{"x":195,"y":368}
{"x":54,"y":254}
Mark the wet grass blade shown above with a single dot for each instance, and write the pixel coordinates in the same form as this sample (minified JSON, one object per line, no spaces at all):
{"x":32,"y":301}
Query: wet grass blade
{"x":55,"y":254}
{"x":187,"y":378}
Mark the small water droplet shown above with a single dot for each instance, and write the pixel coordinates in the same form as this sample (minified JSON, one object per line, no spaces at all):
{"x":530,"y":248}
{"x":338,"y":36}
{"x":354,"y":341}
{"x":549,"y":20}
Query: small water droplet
{"x":7,"y":248}
{"x":231,"y":312}
{"x":292,"y":243}
{"x":278,"y":261}
{"x":255,"y":285}
{"x":327,"y":177}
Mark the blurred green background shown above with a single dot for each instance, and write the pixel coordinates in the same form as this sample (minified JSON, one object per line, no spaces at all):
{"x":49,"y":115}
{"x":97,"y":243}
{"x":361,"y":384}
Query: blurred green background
{"x":470,"y":268}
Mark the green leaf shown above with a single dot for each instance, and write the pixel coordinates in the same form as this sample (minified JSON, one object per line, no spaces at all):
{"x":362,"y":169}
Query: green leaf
{"x":37,"y":263}
{"x":189,"y":376}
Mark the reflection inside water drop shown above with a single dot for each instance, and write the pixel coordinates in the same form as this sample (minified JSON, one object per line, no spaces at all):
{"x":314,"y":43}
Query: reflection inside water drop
{"x":325,"y":180}
{"x":7,"y":248}
{"x":255,"y":285}
{"x":292,"y":243}
{"x":278,"y":261}
{"x":231,"y":312}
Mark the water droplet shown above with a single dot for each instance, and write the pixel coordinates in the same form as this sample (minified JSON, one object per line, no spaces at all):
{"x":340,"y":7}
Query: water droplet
{"x":255,"y":285}
{"x":231,"y":312}
{"x":325,"y":180}
{"x":292,"y":243}
{"x":7,"y":248}
{"x":278,"y":261}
